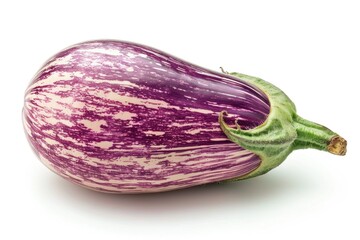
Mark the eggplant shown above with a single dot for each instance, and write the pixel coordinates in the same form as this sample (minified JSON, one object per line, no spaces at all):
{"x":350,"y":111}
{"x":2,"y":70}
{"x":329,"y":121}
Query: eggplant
{"x":122,"y":117}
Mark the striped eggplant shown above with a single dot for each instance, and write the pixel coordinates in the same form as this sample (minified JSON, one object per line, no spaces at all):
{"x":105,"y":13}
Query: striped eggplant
{"x":121,"y":117}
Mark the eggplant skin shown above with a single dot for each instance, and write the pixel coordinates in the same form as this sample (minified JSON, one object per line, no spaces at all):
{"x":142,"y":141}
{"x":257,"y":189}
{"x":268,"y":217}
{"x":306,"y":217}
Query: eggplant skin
{"x":121,"y":117}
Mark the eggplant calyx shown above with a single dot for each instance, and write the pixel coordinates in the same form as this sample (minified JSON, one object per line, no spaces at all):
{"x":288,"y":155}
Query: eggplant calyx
{"x":281,"y":133}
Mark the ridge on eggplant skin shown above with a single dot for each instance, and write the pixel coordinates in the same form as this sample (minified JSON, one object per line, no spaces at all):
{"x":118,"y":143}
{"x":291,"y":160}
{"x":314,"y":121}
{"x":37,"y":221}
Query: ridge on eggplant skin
{"x":121,"y":117}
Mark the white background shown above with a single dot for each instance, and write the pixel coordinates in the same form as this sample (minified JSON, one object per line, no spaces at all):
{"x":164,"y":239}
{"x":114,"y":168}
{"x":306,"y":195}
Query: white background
{"x":310,"y":49}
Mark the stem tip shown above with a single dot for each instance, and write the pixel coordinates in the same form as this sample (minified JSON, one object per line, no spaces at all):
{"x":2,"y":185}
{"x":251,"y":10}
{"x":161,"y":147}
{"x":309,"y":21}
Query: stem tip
{"x":337,"y":146}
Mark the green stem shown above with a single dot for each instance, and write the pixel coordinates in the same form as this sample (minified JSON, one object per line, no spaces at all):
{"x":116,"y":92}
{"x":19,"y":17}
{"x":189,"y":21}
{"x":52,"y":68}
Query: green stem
{"x":282,"y":132}
{"x":313,"y":135}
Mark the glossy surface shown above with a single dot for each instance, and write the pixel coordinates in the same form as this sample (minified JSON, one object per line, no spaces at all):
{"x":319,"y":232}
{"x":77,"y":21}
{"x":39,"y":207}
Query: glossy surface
{"x":121,"y":117}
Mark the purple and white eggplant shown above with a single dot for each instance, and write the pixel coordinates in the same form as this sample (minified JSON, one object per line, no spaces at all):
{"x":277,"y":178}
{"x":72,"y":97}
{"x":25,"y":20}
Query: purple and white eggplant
{"x":121,"y":117}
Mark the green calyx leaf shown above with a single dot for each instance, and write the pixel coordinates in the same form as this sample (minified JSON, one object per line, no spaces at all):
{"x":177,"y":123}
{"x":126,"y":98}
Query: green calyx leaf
{"x":281,"y":133}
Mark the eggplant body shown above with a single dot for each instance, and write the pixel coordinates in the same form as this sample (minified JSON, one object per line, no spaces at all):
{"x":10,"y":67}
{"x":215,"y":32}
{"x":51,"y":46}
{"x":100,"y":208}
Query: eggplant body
{"x":121,"y":117}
